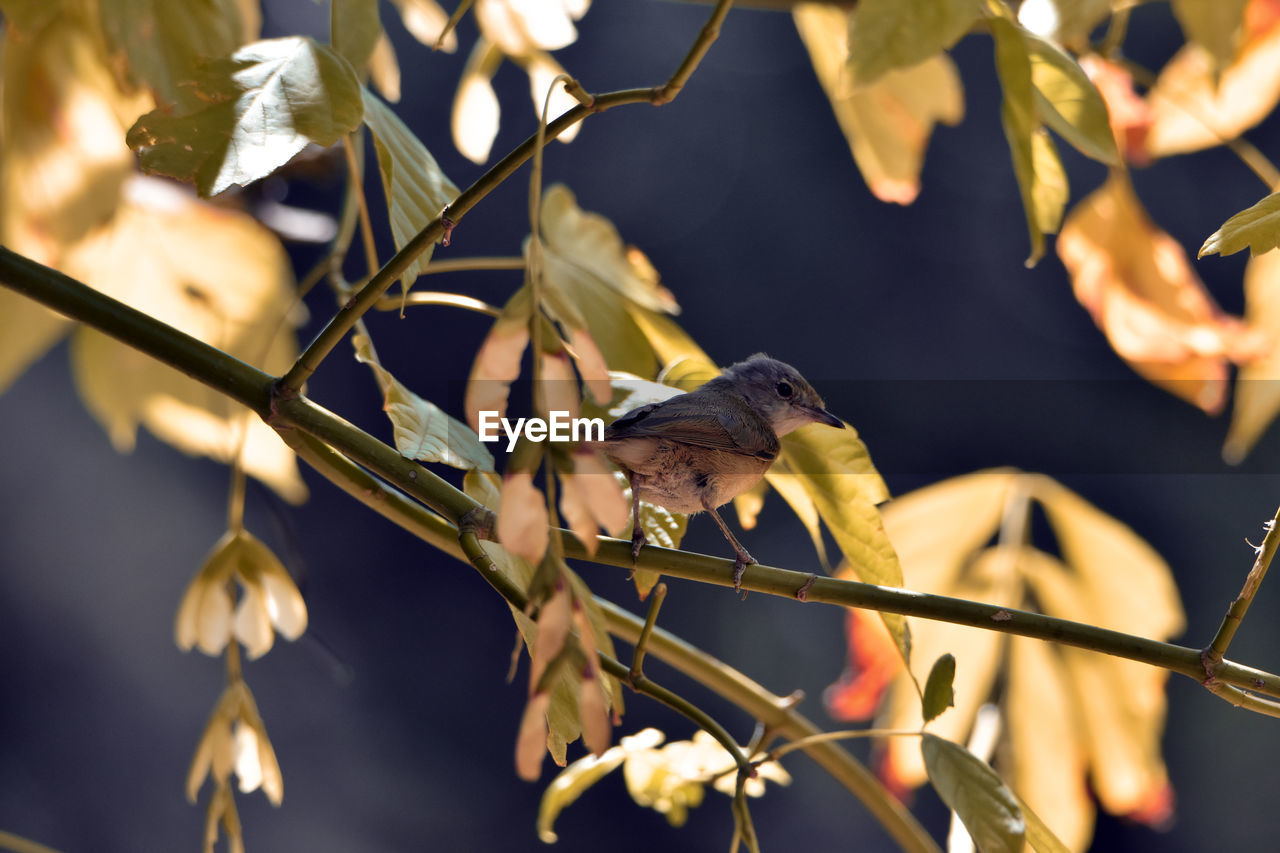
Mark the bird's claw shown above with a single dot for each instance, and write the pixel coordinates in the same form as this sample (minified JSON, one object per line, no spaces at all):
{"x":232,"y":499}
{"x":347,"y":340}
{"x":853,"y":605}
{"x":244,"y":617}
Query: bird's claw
{"x":740,"y":564}
{"x":638,"y":541}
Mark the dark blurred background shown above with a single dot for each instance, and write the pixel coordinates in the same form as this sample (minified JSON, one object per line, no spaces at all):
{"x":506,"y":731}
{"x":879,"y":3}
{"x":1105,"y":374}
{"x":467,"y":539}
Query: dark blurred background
{"x":920,"y":325}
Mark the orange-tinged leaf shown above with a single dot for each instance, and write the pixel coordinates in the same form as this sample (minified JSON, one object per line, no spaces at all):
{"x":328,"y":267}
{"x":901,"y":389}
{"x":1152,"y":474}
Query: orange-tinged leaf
{"x":1136,"y":282}
{"x":497,"y":362}
{"x":1215,"y":26}
{"x":531,"y":741}
{"x":1130,"y":115}
{"x":1194,"y":109}
{"x":873,"y":663}
{"x":1046,"y":761}
{"x":887,"y":123}
{"x":1257,"y":391}
{"x":213,"y":273}
{"x":522,"y":518}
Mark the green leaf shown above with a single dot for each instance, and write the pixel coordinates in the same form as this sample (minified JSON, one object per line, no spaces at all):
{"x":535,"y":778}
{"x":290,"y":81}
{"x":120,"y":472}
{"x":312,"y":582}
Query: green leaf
{"x":1068,"y":102}
{"x":1041,"y":179}
{"x":976,"y":794}
{"x":1215,"y":25}
{"x":422,"y":429}
{"x":1257,"y":227}
{"x":571,"y":783}
{"x":836,"y":473}
{"x":417,"y":190}
{"x":266,"y":102}
{"x":354,"y":28}
{"x":885,"y":34}
{"x":164,"y":41}
{"x":939,"y":688}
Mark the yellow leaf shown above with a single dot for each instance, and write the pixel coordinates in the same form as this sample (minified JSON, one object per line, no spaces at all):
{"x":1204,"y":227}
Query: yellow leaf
{"x":27,"y":330}
{"x":1257,"y":227}
{"x":1194,"y":108}
{"x":422,"y":429}
{"x":64,"y":159}
{"x":887,"y":123}
{"x":1257,"y":391}
{"x":887,"y":34}
{"x":1047,"y":758}
{"x":575,"y":779}
{"x":384,"y":70}
{"x":1214,"y":25}
{"x":213,"y":273}
{"x":475,"y":106}
{"x":1142,"y":292}
{"x":1041,"y":179}
{"x":1069,"y":102}
{"x":425,"y":20}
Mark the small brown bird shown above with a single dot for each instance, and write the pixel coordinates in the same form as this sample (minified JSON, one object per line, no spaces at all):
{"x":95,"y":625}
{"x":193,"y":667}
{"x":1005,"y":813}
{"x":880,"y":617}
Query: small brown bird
{"x":700,"y":450}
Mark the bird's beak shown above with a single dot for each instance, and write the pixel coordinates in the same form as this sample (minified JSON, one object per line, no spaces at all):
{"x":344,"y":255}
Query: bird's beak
{"x":822,"y":416}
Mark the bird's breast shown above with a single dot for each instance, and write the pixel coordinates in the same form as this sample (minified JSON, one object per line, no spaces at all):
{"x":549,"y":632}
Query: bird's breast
{"x":683,"y":477}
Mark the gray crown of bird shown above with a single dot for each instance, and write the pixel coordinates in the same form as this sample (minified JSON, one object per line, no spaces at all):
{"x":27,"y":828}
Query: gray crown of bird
{"x":698,"y":451}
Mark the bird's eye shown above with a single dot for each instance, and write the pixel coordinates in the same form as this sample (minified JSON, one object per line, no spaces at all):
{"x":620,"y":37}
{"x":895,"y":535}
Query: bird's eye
{"x":784,"y":390}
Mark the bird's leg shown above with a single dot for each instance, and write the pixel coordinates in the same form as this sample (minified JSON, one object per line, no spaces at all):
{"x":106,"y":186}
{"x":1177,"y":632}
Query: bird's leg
{"x":743,"y":558}
{"x":637,"y":531}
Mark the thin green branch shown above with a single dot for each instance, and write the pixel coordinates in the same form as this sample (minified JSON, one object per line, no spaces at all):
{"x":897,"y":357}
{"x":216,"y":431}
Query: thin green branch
{"x":1212,"y":655}
{"x":657,"y":596}
{"x":436,"y":297}
{"x":342,"y":322}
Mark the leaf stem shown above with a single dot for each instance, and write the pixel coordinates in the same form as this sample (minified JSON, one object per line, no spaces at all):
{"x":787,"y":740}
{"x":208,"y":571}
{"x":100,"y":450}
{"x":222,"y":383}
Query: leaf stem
{"x":436,"y":297}
{"x":342,"y":322}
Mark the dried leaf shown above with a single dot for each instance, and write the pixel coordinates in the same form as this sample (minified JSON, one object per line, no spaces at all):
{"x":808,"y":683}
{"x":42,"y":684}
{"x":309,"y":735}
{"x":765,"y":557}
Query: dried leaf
{"x":1257,"y":393}
{"x":522,"y":518}
{"x":973,"y":791}
{"x":887,"y":34}
{"x":1137,"y":283}
{"x":1257,"y":227}
{"x":423,"y":430}
{"x":497,"y":362}
{"x":215,"y":274}
{"x":261,"y":106}
{"x":164,"y":42}
{"x":887,"y":123}
{"x":531,"y":742}
{"x":1129,"y":114}
{"x":1194,"y":107}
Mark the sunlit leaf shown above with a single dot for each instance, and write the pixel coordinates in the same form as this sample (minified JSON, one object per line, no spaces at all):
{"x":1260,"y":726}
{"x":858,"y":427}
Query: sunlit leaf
{"x":384,"y":69}
{"x":575,"y":779}
{"x":63,"y":162}
{"x":417,"y":190}
{"x":1214,"y":25}
{"x":1047,"y":758}
{"x":497,"y":362}
{"x":1068,"y":101}
{"x":1136,"y":282}
{"x":215,"y":274}
{"x":1041,"y":179}
{"x":1257,"y":390}
{"x":264,"y":104}
{"x":1041,"y":838}
{"x":1129,"y":114}
{"x":543,"y":69}
{"x":887,"y":123}
{"x":522,"y":27}
{"x":354,"y":28}
{"x":939,"y":689}
{"x":1257,"y":227}
{"x":1193,"y":107}
{"x":973,"y":791}
{"x":475,"y":106}
{"x":1065,"y":22}
{"x":164,"y":42}
{"x":423,"y":430}
{"x":425,"y":20}
{"x":522,"y":517}
{"x":886,"y":34}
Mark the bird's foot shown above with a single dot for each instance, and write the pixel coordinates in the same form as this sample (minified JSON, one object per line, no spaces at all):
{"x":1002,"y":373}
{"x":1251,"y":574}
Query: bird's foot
{"x":740,"y":564}
{"x":638,"y":541}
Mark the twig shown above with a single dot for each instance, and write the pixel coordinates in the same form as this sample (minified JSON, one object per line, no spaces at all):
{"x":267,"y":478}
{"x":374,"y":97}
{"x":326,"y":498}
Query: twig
{"x":1213,"y":653}
{"x":657,"y":596}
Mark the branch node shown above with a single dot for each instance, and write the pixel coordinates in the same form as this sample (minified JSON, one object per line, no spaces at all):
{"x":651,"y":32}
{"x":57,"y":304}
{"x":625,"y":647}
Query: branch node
{"x":802,"y":593}
{"x":448,"y":224}
{"x":479,"y":520}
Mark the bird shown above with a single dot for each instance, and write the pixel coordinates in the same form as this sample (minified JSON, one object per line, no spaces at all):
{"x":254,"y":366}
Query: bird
{"x":699,"y":450}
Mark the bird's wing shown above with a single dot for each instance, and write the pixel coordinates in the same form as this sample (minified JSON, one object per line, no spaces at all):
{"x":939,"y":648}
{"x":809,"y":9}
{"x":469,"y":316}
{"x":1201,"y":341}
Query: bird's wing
{"x":728,"y":425}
